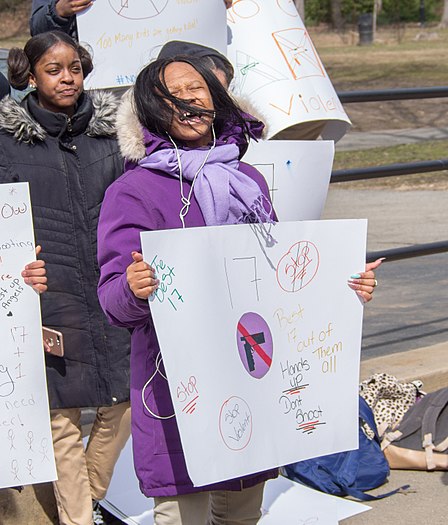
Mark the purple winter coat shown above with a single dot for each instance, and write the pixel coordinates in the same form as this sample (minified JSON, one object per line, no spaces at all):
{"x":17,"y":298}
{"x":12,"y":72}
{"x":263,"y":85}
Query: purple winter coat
{"x":142,"y":200}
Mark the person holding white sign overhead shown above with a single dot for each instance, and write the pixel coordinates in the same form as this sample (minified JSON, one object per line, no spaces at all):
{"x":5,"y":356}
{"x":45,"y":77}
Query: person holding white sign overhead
{"x":50,"y":15}
{"x":183,"y":170}
{"x":62,"y":142}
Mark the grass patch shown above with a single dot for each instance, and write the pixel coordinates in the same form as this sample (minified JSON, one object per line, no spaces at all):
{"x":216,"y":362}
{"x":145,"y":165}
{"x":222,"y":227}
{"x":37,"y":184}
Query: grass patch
{"x":403,"y":153}
{"x":418,"y":59}
{"x":14,"y":41}
{"x":390,"y":72}
{"x":14,"y":31}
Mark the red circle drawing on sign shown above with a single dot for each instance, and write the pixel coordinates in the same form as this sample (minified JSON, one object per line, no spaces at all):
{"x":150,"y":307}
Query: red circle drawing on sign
{"x":297,"y":268}
{"x":235,"y":423}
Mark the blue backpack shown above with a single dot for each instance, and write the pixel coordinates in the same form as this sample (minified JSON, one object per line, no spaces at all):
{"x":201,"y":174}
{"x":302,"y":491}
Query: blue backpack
{"x":347,"y":473}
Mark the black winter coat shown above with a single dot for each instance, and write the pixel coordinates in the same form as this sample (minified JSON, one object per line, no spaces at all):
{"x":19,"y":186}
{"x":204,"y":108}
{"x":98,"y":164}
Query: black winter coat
{"x":68,"y":164}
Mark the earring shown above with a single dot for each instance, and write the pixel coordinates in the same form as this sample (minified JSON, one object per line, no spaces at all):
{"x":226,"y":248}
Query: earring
{"x":32,"y":85}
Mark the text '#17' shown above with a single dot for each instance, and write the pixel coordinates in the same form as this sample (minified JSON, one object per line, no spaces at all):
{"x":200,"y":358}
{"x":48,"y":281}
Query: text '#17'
{"x":166,"y":289}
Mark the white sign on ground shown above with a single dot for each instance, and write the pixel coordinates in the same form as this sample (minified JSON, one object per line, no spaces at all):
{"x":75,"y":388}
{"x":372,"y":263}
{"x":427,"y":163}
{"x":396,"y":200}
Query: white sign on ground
{"x":278,"y":68}
{"x":124,"y":36}
{"x":282,"y":498}
{"x":288,"y":502}
{"x":25,"y":435}
{"x":298,"y":174}
{"x":267,"y":331}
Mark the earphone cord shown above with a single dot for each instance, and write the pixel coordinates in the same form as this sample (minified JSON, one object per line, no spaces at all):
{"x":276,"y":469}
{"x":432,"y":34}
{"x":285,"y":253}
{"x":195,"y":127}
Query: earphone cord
{"x":157,"y":371}
{"x":186,"y":201}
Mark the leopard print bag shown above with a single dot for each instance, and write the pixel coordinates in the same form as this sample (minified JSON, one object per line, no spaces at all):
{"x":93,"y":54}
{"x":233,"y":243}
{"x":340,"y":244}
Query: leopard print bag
{"x":389,"y":399}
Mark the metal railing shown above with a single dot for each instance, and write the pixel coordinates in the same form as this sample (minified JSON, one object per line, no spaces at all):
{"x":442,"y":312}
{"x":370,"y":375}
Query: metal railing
{"x":394,"y":170}
{"x":389,"y":170}
{"x":379,"y":95}
{"x":406,"y":252}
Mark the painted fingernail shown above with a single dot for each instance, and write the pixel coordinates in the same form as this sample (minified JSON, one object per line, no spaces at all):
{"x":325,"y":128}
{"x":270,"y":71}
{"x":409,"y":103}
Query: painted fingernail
{"x":362,"y":297}
{"x":355,"y":276}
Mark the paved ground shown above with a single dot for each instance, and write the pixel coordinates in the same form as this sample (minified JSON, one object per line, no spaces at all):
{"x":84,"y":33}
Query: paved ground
{"x":425,"y":505}
{"x":410,"y":309}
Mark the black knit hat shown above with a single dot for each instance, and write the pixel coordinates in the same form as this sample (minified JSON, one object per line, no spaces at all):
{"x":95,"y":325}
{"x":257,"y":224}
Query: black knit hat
{"x":4,"y":86}
{"x":179,"y":48}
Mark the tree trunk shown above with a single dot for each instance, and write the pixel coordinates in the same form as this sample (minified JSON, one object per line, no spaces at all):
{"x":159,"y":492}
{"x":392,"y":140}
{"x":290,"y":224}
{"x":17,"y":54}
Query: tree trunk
{"x":300,"y":4}
{"x":336,"y":15}
{"x":444,"y":21}
{"x":377,"y":6}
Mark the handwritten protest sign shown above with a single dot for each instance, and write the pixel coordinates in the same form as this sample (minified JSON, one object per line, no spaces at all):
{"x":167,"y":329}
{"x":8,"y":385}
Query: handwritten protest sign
{"x":124,"y":36}
{"x":280,"y":70}
{"x":25,"y":436}
{"x":263,"y":363}
{"x":298,"y":174}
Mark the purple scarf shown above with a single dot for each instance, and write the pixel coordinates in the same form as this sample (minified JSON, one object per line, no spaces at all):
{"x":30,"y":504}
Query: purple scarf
{"x":224,"y":194}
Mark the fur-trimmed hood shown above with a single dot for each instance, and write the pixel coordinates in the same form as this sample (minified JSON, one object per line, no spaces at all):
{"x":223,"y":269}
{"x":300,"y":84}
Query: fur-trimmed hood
{"x":133,"y":139}
{"x":98,"y":109}
{"x":129,"y":130}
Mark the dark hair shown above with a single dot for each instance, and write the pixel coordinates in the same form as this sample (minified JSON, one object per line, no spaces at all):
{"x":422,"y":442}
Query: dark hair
{"x":151,"y":97}
{"x":211,"y":57}
{"x":223,"y":65}
{"x":22,"y":62}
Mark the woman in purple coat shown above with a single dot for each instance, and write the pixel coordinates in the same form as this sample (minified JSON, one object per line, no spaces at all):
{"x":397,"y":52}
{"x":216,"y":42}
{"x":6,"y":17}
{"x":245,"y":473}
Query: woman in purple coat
{"x":183,"y":170}
{"x":187,"y":173}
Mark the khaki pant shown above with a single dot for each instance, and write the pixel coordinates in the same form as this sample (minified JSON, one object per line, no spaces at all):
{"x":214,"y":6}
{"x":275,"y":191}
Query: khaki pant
{"x":223,"y":507}
{"x":84,"y":475}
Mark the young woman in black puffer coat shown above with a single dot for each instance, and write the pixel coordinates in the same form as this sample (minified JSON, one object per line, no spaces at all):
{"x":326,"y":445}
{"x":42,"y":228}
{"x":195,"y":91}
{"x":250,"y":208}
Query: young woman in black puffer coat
{"x":62,"y":142}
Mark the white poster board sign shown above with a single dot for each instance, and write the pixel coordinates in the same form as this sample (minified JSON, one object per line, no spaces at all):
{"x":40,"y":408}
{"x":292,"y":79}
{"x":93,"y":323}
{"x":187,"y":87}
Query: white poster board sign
{"x":278,"y":68}
{"x":25,"y":436}
{"x":265,"y":334}
{"x":125,"y":36}
{"x":298,"y":174}
{"x":287,"y":502}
